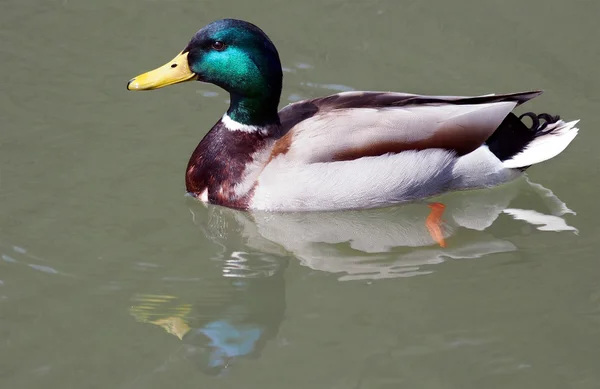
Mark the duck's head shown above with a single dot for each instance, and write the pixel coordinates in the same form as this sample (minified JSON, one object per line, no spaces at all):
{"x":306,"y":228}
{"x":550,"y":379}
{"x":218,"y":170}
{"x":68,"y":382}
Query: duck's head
{"x":234,"y":55}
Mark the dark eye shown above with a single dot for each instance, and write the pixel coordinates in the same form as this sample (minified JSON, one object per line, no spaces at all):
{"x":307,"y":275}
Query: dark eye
{"x":218,"y":45}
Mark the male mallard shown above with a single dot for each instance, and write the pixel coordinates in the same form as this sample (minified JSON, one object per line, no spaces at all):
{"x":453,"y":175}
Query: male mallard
{"x":347,"y":150}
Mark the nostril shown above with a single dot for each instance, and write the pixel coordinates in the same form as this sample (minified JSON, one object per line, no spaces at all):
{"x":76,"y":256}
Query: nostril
{"x":174,"y":65}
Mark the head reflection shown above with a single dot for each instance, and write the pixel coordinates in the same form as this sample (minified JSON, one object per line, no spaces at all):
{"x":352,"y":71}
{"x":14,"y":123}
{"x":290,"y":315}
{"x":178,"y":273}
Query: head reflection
{"x":232,"y":317}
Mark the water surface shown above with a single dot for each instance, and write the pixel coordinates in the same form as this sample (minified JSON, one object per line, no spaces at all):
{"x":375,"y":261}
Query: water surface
{"x":111,"y":278}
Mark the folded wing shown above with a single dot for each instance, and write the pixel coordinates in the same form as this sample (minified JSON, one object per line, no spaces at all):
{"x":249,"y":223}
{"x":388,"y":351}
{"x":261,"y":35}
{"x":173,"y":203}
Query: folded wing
{"x":352,"y":125}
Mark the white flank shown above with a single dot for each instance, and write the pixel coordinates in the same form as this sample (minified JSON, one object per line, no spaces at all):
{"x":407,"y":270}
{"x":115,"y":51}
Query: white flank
{"x":369,"y":182}
{"x":545,"y":146}
{"x":288,"y":185}
{"x":232,"y":125}
{"x":480,"y":168}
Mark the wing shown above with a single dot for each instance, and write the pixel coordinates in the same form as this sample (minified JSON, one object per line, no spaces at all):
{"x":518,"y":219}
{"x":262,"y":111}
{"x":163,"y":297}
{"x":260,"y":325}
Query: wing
{"x":352,"y":125}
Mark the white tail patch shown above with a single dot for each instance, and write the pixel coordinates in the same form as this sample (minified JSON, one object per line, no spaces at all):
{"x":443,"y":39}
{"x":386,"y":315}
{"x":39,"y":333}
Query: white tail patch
{"x":545,"y":146}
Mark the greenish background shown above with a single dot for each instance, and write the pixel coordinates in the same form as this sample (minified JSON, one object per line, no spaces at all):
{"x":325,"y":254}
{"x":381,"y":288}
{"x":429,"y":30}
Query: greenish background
{"x":111,"y":278}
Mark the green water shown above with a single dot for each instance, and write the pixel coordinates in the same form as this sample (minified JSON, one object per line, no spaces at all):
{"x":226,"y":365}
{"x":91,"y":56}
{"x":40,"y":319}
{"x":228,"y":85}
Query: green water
{"x":111,"y":278}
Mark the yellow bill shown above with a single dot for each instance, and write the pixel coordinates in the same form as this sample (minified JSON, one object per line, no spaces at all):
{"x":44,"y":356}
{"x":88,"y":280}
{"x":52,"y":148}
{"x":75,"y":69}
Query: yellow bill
{"x":173,"y":72}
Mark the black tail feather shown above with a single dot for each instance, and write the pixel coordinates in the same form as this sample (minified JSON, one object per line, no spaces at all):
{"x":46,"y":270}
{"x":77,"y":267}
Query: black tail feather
{"x":512,"y":136}
{"x":535,"y":126}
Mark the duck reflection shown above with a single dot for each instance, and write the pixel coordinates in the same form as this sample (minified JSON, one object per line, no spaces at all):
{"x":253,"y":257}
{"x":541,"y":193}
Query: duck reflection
{"x":242,"y":305}
{"x":396,"y":241}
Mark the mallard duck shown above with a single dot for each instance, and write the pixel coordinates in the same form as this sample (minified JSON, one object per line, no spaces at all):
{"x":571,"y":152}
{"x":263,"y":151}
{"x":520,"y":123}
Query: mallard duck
{"x":350,"y":150}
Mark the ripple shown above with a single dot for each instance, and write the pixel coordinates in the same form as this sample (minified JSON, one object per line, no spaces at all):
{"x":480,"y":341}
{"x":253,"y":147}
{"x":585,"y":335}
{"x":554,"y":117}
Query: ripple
{"x":207,"y":93}
{"x":333,"y":87}
{"x":294,"y":97}
{"x":45,"y":269}
{"x":43,"y":370}
{"x":20,"y":250}
{"x":8,"y":259}
{"x":147,"y":264}
{"x":182,"y":279}
{"x":302,"y":65}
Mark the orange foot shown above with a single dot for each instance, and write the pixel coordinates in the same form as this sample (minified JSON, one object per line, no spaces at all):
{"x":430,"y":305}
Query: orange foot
{"x":434,"y":221}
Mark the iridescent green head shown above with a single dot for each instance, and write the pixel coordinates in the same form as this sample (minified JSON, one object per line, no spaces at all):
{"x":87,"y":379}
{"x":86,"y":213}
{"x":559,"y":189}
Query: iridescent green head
{"x":234,"y":55}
